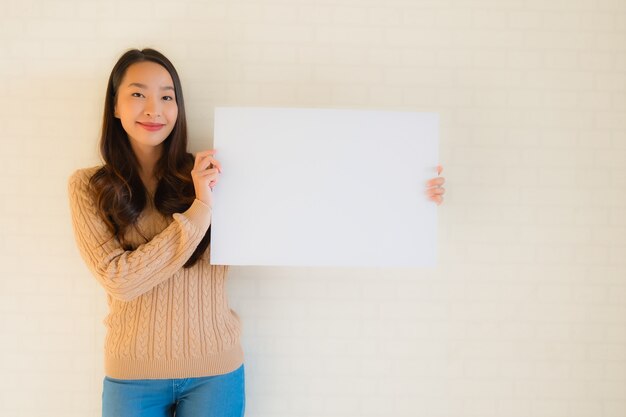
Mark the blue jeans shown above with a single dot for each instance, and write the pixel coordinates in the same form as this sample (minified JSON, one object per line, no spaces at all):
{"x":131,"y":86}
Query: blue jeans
{"x":211,"y":396}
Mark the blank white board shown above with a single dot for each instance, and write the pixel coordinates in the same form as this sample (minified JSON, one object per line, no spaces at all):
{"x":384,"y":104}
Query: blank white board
{"x":324,"y":187}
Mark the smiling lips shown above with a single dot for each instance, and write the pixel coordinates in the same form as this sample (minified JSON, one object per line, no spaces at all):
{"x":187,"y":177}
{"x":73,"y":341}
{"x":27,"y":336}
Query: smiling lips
{"x":152,"y":127}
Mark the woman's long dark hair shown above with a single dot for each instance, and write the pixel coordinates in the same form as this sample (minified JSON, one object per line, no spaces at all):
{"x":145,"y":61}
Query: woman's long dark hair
{"x":119,"y":193}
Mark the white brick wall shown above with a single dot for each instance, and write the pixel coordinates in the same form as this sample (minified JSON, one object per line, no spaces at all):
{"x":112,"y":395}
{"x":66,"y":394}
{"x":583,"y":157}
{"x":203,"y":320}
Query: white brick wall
{"x":525,"y":314}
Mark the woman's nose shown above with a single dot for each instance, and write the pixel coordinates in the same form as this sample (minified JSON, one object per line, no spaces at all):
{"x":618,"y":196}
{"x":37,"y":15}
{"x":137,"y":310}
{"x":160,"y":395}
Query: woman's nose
{"x":152,"y":109}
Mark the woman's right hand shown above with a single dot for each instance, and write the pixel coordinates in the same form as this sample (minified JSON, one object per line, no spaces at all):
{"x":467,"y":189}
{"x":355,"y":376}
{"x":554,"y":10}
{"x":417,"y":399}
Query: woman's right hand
{"x":204,"y":174}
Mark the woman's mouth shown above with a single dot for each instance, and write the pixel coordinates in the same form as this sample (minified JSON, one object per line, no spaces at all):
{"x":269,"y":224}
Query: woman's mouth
{"x":152,"y":127}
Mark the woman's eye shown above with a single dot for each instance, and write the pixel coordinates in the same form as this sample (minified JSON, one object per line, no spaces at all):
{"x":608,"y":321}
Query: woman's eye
{"x":137,"y":95}
{"x":168,"y":98}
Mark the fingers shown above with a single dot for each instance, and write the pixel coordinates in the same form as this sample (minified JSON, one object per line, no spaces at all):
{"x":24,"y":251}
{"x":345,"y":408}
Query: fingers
{"x":203,"y":159}
{"x":204,"y":175}
{"x":436,"y":191}
{"x":436,"y":182}
{"x":206,"y":172}
{"x":205,"y":162}
{"x":210,"y":162}
{"x":436,"y":195}
{"x":208,"y":175}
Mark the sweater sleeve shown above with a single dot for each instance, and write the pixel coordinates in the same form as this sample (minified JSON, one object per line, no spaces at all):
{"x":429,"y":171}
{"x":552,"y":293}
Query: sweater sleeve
{"x":126,"y":274}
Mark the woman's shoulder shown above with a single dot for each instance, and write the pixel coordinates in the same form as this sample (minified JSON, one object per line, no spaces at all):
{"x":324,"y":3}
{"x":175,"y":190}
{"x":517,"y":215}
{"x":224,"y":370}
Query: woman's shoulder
{"x":81,"y":176}
{"x":87,"y":172}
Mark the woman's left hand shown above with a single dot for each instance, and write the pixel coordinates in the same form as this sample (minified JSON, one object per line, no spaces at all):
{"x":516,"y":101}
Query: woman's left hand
{"x":434,"y":188}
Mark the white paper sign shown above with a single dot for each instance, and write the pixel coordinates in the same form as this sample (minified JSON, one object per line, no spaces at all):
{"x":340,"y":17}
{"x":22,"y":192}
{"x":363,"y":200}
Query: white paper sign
{"x":324,"y":187}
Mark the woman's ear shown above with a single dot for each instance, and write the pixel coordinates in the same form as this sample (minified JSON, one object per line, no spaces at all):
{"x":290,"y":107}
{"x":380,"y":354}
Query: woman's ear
{"x":117,"y":116}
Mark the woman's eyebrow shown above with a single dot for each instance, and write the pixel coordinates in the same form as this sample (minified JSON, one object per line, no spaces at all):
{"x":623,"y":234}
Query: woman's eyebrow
{"x":167,"y":87}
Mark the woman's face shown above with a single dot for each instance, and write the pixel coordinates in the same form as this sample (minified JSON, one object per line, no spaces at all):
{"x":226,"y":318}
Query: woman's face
{"x":146,"y":104}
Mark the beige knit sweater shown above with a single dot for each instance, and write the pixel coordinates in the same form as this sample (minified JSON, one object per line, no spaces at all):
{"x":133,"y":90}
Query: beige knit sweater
{"x":164,"y":321}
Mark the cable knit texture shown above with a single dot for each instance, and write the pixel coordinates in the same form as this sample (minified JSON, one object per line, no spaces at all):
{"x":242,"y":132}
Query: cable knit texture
{"x":164,"y":321}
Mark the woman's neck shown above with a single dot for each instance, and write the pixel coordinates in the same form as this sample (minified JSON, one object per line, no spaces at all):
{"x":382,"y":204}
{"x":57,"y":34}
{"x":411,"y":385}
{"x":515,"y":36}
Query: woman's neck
{"x":148,"y":158}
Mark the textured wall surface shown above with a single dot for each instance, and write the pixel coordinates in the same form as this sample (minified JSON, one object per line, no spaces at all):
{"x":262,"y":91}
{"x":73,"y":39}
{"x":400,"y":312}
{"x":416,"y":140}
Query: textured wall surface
{"x":525,"y":314}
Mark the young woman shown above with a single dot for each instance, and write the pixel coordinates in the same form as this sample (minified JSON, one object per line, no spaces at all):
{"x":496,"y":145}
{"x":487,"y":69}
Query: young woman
{"x":142,"y":225}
